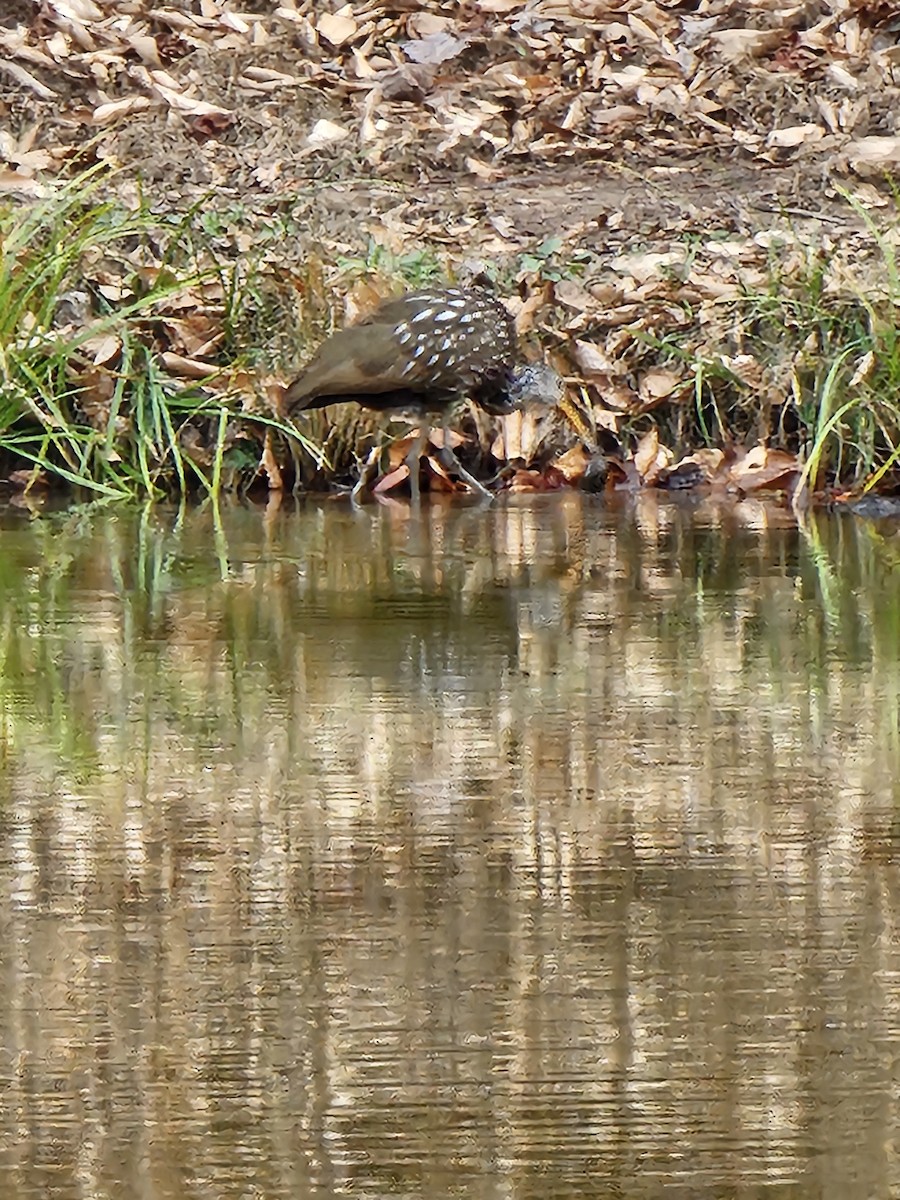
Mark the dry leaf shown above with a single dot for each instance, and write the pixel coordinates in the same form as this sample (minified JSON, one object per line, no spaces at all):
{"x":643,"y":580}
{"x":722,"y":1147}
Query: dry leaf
{"x":324,"y":133}
{"x":650,"y":458}
{"x":337,"y":28}
{"x":391,"y":480}
{"x":657,"y":385}
{"x":268,"y":464}
{"x":573,"y":295}
{"x":795,"y":135}
{"x":873,"y":155}
{"x":592,"y":360}
{"x":737,"y":44}
{"x":763,"y":467}
{"x":573,"y":463}
{"x":189,"y":368}
{"x":103,"y":348}
{"x":549,"y":480}
{"x":435,"y":48}
{"x":27,"y":79}
{"x":693,"y":470}
{"x":28,"y":477}
{"x":539,"y":299}
{"x":12,"y":181}
{"x":105,"y":114}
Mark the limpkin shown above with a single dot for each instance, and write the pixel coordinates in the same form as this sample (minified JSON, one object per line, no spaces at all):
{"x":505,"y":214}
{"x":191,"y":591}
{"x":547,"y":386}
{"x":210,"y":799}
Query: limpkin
{"x":423,"y":354}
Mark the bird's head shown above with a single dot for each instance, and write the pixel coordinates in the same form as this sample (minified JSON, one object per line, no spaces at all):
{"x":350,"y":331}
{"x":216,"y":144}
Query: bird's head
{"x":535,"y":385}
{"x":532,"y":386}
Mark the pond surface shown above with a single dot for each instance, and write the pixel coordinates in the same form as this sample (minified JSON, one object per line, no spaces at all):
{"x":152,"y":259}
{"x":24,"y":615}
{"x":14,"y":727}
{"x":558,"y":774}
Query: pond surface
{"x":537,"y":850}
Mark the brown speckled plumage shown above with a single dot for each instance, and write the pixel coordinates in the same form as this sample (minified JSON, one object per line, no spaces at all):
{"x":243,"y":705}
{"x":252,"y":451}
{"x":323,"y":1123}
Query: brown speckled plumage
{"x":423,"y":350}
{"x":423,"y":353}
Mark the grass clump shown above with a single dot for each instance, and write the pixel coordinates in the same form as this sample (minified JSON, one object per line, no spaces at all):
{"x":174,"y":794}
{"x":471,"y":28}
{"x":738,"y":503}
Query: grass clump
{"x":830,"y":333}
{"x":806,"y":358}
{"x":93,"y":298}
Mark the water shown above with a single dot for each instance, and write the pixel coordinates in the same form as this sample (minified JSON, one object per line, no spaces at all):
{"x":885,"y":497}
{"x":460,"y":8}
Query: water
{"x":543,"y":850}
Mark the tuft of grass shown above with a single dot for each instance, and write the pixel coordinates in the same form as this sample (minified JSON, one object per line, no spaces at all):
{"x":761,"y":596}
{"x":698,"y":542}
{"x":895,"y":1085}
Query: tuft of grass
{"x":414,"y":268}
{"x":86,"y":285}
{"x":51,"y":313}
{"x":833,"y":332}
{"x":552,"y":260}
{"x":824,"y":336}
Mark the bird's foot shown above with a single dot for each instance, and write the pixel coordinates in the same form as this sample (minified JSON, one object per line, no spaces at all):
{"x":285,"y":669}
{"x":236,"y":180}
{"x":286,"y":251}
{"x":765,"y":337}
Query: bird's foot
{"x":452,"y":463}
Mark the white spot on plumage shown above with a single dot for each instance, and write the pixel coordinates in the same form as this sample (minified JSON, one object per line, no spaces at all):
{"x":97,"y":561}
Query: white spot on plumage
{"x":419,"y":350}
{"x":424,"y":314}
{"x":447,"y":315}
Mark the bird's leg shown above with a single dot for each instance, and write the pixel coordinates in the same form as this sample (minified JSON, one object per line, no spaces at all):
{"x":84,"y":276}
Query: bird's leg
{"x":452,"y":463}
{"x":413,"y":462}
{"x":366,"y":470}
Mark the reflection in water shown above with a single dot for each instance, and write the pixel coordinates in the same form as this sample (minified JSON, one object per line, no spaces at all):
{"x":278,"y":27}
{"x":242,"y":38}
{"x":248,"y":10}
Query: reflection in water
{"x":537,"y":850}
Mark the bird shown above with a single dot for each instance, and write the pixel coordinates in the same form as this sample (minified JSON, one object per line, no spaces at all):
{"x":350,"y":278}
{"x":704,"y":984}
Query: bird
{"x":423,"y":354}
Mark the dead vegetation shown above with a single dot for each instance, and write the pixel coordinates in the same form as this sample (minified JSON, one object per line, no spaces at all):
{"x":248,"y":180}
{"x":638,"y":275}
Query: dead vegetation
{"x":689,"y":211}
{"x":480,"y":87}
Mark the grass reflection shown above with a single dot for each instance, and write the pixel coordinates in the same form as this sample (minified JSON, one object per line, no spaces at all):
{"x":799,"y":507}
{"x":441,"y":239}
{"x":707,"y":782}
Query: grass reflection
{"x":553,"y":841}
{"x":110,"y":622}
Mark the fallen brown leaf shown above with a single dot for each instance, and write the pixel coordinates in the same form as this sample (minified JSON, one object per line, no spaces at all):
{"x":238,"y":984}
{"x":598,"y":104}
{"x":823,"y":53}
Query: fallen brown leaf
{"x":337,"y":28}
{"x":549,"y":480}
{"x":651,"y":458}
{"x":573,"y":464}
{"x":762,"y":467}
{"x":189,"y":368}
{"x":391,"y":479}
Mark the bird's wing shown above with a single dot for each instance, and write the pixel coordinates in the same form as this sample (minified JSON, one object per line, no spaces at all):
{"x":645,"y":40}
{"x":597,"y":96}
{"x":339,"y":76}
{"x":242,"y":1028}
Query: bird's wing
{"x":442,"y":343}
{"x":360,"y":360}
